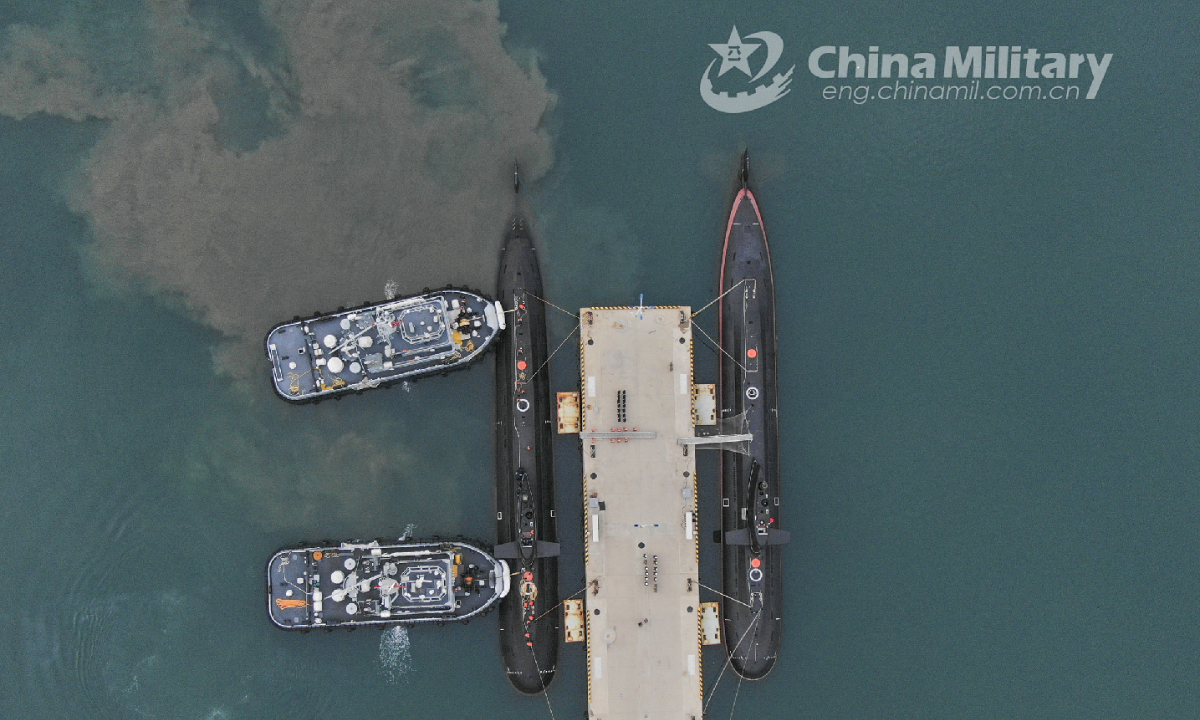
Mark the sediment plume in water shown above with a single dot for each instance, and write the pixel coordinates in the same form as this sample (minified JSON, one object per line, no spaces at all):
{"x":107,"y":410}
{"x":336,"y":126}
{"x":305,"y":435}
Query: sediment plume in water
{"x":292,"y":161}
{"x":256,"y":161}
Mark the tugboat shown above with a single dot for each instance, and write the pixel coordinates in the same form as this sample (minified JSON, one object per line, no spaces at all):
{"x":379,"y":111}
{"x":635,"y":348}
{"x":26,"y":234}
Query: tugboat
{"x":752,"y":557}
{"x":373,"y":345}
{"x":525,"y":524}
{"x":397,"y":583}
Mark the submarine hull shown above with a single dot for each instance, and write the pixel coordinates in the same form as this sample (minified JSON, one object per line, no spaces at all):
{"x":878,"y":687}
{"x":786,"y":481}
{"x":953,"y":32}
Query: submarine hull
{"x":752,"y":552}
{"x":526,"y":533}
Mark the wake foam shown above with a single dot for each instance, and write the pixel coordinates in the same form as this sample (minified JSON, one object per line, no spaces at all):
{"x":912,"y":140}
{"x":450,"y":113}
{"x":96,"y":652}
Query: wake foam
{"x":395,"y":656}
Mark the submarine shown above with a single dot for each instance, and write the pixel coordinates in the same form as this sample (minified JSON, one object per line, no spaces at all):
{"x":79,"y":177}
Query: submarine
{"x":752,"y":537}
{"x":526,"y":533}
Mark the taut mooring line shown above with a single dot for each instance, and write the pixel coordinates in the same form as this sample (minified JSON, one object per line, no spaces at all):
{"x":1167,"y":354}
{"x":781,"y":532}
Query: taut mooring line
{"x":560,"y":347}
{"x":711,"y":695}
{"x":714,"y":344}
{"x":739,"y":282}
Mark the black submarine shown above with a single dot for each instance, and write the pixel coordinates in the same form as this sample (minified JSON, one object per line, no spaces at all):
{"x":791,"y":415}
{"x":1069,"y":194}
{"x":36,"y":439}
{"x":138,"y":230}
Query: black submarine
{"x":526,"y":533}
{"x":752,"y":556}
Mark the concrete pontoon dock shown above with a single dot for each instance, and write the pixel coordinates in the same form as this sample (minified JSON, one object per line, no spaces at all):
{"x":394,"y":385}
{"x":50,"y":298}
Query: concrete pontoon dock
{"x":641,"y":551}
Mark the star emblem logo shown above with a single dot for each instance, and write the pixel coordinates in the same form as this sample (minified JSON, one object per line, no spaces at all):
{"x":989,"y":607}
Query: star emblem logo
{"x":734,"y":53}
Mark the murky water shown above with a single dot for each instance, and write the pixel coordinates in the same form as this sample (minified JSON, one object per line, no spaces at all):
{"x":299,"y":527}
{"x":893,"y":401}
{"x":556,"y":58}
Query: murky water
{"x":987,"y":316}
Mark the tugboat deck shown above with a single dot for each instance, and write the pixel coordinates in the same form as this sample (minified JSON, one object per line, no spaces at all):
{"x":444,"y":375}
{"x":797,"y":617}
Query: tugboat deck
{"x":366,"y":347}
{"x":406,"y":582}
{"x":641,"y":551}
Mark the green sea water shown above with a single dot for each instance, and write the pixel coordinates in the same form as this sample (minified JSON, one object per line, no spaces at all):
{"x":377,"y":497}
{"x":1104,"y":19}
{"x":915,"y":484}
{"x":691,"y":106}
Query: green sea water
{"x":990,"y":397}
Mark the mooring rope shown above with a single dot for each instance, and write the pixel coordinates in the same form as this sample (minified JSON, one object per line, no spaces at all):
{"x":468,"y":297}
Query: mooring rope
{"x":574,"y":315}
{"x":717,"y":346}
{"x":723,"y":594}
{"x":711,"y":695}
{"x":560,"y":602}
{"x":735,"y":697}
{"x":545,"y":690}
{"x":739,"y":282}
{"x":560,"y":347}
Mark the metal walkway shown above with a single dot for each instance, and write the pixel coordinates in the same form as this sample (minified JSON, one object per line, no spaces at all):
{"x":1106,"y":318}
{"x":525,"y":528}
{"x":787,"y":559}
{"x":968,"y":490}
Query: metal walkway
{"x":641,"y":550}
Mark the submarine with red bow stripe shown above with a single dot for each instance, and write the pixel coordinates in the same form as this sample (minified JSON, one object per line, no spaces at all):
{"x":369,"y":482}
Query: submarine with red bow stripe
{"x":526,"y":532}
{"x":752,"y":558}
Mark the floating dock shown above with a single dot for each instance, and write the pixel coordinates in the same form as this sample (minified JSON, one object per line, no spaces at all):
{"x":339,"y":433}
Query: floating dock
{"x":641,"y":554}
